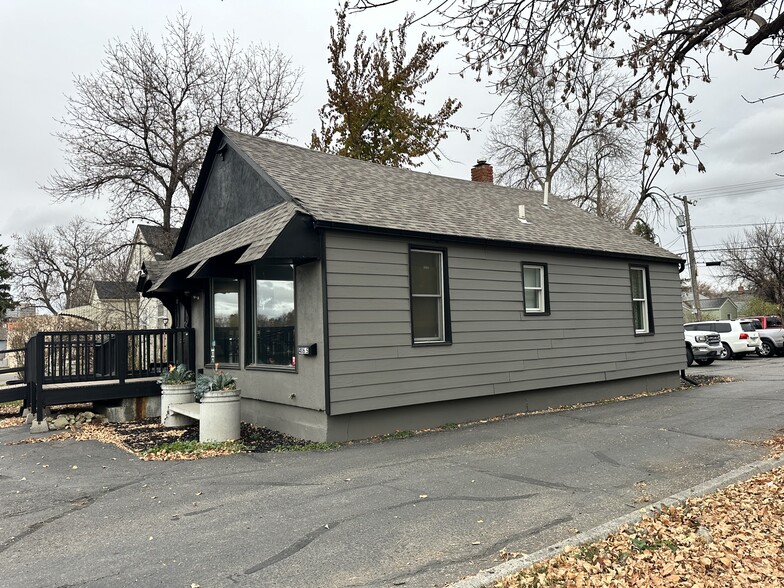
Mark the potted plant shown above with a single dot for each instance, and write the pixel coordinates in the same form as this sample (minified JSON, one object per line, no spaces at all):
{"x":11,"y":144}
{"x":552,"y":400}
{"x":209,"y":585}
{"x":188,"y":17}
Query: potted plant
{"x":220,"y":406}
{"x":178,"y":384}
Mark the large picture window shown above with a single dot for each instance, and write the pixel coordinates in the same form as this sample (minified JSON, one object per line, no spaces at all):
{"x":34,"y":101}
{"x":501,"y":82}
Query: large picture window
{"x":275,"y":316}
{"x":429,"y":304}
{"x":536,"y":298}
{"x":225,"y":347}
{"x":641,"y":304}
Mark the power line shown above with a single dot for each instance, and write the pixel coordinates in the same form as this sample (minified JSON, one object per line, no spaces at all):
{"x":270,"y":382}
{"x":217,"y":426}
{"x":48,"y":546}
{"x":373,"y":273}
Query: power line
{"x":737,"y":225}
{"x":734,"y":189}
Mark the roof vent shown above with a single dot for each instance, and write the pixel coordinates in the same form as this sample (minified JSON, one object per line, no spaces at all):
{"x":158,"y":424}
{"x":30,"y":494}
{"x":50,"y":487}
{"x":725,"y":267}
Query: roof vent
{"x":521,"y":214}
{"x":546,"y":202}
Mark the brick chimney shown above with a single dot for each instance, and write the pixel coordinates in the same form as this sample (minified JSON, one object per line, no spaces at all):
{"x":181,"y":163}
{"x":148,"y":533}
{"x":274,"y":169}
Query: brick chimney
{"x":482,"y":172}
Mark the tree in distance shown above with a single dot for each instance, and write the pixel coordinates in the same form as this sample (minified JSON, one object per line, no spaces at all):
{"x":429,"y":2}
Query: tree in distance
{"x":54,"y":270}
{"x":664,"y":45}
{"x":136,"y":131}
{"x":757,"y":260}
{"x":6,"y":300}
{"x":374,"y":99}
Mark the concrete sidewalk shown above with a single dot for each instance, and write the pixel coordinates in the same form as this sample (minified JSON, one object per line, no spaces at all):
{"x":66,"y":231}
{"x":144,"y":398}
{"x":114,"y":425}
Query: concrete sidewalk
{"x":417,"y":512}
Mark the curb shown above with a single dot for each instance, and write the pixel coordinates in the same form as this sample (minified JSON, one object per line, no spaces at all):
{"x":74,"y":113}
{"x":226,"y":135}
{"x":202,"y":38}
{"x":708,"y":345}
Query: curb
{"x":487,"y":578}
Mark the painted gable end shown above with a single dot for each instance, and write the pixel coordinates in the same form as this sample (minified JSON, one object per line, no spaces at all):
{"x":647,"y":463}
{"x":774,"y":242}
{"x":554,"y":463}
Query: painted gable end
{"x":234,"y":191}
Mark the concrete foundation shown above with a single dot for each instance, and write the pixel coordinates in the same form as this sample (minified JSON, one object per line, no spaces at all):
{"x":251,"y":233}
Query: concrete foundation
{"x":317,"y":426}
{"x":129,"y":409}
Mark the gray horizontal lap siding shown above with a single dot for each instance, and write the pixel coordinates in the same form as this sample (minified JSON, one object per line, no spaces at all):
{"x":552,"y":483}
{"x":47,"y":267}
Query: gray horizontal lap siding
{"x":496,"y":349}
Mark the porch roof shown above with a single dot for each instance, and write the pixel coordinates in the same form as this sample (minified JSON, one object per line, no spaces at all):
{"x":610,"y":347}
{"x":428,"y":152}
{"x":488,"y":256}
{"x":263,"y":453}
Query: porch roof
{"x":255,"y":235}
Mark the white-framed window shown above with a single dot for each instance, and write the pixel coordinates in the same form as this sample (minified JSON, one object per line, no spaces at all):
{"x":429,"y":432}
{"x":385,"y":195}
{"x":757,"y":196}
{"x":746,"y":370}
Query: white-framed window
{"x":536,"y":299}
{"x":429,"y":303}
{"x":641,"y":305}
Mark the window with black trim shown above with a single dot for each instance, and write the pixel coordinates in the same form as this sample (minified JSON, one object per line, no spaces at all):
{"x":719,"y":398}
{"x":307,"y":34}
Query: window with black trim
{"x":642,"y":315}
{"x":429,"y":299}
{"x":274,"y":316}
{"x":225,"y":321}
{"x":536,"y":296}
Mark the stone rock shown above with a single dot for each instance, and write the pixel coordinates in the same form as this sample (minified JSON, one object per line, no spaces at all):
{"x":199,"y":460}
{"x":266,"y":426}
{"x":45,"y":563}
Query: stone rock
{"x":61,"y":422}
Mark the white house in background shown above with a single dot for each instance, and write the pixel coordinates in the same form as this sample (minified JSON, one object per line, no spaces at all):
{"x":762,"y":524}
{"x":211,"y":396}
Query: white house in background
{"x":113,"y":305}
{"x":150,"y":244}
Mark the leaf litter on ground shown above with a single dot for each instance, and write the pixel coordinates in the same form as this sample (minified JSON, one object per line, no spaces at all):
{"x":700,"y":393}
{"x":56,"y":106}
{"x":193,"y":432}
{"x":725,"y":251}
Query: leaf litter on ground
{"x":730,"y":538}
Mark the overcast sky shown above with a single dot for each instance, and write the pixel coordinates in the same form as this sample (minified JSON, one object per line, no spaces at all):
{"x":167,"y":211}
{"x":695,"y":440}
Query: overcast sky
{"x":45,"y":43}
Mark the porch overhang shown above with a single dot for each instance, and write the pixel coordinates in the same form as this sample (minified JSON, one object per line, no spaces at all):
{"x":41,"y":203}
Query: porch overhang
{"x":282,"y":234}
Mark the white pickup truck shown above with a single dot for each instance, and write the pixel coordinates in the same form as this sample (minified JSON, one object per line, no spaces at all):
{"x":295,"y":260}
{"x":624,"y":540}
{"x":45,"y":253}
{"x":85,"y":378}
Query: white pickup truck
{"x":704,"y":347}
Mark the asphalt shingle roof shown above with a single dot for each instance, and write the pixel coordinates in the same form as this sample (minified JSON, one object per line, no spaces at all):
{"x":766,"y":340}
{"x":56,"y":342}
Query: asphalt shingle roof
{"x":106,"y":290}
{"x":342,"y":190}
{"x":256,"y":233}
{"x":161,"y":242}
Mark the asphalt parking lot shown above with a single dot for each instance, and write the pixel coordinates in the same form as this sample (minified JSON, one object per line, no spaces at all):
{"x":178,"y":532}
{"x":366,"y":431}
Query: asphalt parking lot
{"x":418,"y":512}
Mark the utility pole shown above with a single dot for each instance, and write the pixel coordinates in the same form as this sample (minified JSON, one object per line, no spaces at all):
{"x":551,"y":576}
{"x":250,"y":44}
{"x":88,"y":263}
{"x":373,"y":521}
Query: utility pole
{"x":690,"y":249}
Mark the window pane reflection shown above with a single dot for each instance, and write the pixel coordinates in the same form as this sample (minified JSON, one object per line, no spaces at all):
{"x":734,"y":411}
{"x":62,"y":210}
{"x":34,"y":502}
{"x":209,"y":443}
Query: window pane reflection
{"x":226,"y":320}
{"x":275,"y":316}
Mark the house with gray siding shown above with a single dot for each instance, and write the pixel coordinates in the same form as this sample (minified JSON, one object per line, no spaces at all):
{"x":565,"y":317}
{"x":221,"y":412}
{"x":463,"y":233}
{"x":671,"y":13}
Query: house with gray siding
{"x":352,"y":299}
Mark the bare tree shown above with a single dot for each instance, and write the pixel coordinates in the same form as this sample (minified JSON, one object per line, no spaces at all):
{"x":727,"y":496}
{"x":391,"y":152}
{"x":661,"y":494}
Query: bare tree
{"x":136,"y":131}
{"x":665,"y":45}
{"x":54,"y":270}
{"x":542,"y":129}
{"x":577,"y":143}
{"x":757,"y":259}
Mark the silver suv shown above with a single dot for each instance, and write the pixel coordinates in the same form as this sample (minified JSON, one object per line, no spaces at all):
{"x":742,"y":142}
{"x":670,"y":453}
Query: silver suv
{"x":738,"y":338}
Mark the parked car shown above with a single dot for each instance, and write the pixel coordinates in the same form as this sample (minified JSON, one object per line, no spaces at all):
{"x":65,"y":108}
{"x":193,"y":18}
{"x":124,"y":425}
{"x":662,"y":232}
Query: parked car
{"x":771,"y":334}
{"x":702,"y":346}
{"x":738,"y":337}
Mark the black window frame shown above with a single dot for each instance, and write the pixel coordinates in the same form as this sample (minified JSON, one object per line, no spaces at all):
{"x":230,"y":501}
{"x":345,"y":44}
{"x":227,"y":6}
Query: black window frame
{"x":545,"y":288}
{"x":209,"y":315}
{"x":649,"y":303}
{"x":250,"y":325}
{"x":447,"y":320}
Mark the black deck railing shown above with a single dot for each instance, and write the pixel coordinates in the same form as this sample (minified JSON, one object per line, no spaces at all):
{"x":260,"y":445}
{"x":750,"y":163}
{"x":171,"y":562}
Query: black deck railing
{"x":15,"y":389}
{"x":96,"y":356}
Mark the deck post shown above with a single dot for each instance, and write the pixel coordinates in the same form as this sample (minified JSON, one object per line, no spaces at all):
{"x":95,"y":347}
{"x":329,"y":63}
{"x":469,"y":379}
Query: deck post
{"x":191,"y":339}
{"x":171,"y":352}
{"x":122,"y":357}
{"x":38,"y":376}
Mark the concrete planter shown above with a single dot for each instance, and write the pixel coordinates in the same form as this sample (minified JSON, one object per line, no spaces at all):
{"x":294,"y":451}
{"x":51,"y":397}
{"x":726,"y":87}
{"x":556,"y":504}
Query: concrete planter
{"x":176,"y":394}
{"x":219,"y":416}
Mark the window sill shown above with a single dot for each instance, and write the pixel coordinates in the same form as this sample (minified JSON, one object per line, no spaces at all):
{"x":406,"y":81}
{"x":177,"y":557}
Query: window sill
{"x":259,"y":367}
{"x":222,"y":365}
{"x":430,"y":343}
{"x":536,"y":312}
{"x":649,"y":334}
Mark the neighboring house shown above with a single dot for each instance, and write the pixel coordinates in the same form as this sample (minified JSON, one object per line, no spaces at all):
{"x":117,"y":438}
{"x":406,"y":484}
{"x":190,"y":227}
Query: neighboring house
{"x":19,"y":312}
{"x":112,"y":305}
{"x":150,"y":245}
{"x":353,"y":299}
{"x":718,"y":309}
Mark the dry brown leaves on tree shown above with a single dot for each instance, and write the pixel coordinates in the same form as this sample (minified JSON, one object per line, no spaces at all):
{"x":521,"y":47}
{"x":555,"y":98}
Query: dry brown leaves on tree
{"x":731,"y":538}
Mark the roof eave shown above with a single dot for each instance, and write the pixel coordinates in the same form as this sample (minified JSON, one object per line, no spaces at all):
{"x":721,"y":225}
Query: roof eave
{"x":321,"y":224}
